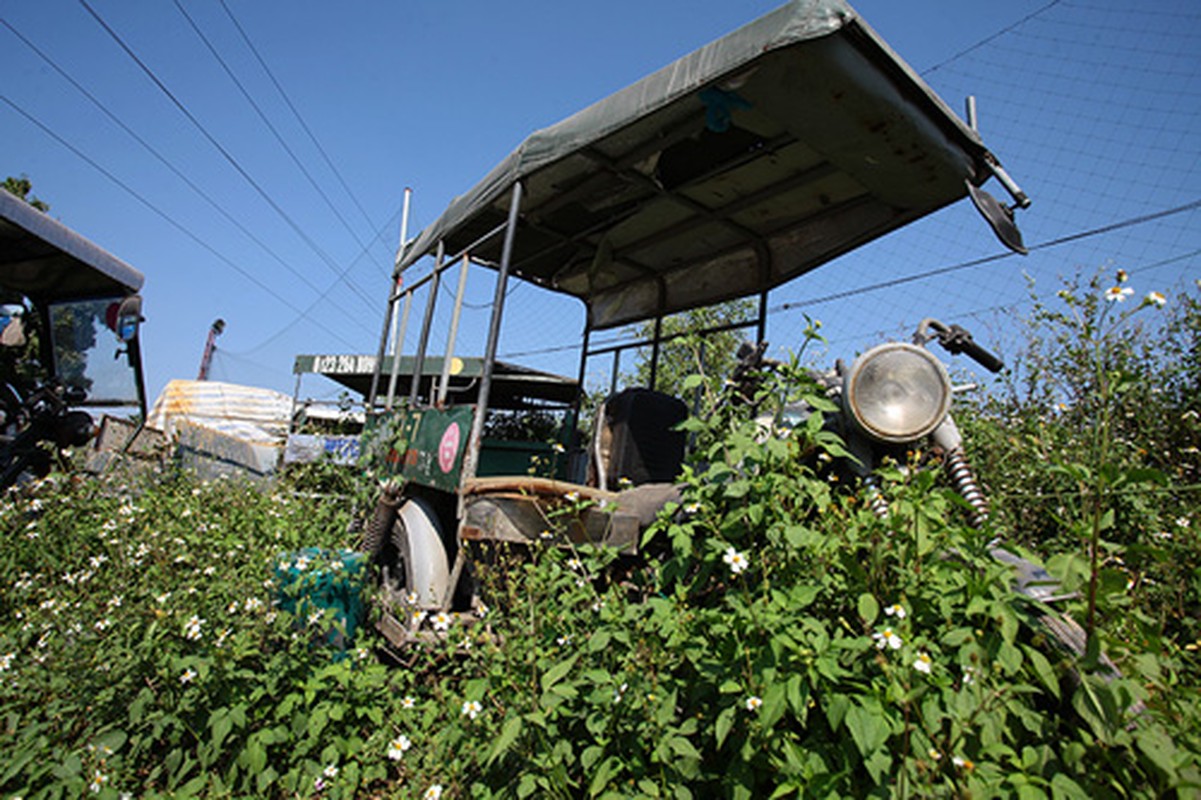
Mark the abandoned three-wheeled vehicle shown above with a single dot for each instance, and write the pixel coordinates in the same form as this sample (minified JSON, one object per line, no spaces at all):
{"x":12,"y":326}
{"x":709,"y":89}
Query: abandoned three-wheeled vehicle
{"x":69,"y":323}
{"x":742,"y":166}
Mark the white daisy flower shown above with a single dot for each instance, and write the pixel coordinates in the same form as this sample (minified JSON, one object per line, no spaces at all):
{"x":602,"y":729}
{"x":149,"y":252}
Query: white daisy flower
{"x":398,"y":746}
{"x":887,"y":638}
{"x":1118,"y":294}
{"x":99,"y":779}
{"x":737,"y":561}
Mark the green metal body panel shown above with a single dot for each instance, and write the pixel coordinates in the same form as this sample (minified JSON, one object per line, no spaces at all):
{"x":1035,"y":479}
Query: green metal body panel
{"x":501,"y":457}
{"x":423,"y":446}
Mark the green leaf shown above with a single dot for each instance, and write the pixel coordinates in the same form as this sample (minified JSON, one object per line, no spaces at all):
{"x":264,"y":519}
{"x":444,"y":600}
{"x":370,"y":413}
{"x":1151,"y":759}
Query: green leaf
{"x":527,"y":785}
{"x":725,"y":721}
{"x":836,"y":709}
{"x":1064,"y":787}
{"x":1009,"y":657}
{"x":1144,"y":475}
{"x":648,"y":787}
{"x":255,"y":755}
{"x":683,"y":747}
{"x":598,"y":641}
{"x":775,"y":703}
{"x":194,"y":787}
{"x":797,"y":691}
{"x":1094,"y":703}
{"x":221,"y":724}
{"x":1028,"y":792}
{"x":737,"y":489}
{"x":137,"y":709}
{"x":508,"y":734}
{"x":589,"y":757}
{"x":114,"y":740}
{"x":666,"y":711}
{"x":1044,"y":670}
{"x":878,"y":765}
{"x":1009,"y":622}
{"x":317,"y":721}
{"x":558,"y":672}
{"x":604,"y":773}
{"x":868,"y":728}
{"x":265,"y":778}
{"x":1158,"y":748}
{"x":869,"y":608}
{"x":70,"y":767}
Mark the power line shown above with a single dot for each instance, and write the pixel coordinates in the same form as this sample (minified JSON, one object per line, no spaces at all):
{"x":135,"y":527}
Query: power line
{"x":249,"y":276}
{"x":1126,"y":223}
{"x":274,"y":132}
{"x":313,"y":306}
{"x":1071,"y":237}
{"x":221,"y":149}
{"x":221,"y":356}
{"x":167,"y":163}
{"x":295,"y":112}
{"x":990,"y":38}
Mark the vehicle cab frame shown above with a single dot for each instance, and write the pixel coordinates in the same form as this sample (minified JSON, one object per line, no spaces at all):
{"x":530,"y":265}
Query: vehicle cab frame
{"x":85,"y":306}
{"x":734,"y":170}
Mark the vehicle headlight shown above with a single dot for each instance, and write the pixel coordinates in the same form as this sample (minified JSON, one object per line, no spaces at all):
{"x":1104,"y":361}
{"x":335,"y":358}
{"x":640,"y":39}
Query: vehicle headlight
{"x":897,"y":392}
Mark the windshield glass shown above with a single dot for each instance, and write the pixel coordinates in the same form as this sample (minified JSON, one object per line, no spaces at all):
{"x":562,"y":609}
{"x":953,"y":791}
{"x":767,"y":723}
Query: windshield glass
{"x":87,"y":353}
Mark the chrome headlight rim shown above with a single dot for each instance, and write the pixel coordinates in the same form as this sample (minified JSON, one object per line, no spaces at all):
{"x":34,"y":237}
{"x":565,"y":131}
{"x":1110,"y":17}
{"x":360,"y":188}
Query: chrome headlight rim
{"x":860,"y":391}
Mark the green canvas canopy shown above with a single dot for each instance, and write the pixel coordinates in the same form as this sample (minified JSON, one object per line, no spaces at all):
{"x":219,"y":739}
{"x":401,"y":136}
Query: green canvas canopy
{"x":749,"y":162}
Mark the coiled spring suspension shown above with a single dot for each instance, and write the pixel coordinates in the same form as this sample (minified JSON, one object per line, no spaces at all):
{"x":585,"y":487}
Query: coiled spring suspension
{"x":964,"y":480}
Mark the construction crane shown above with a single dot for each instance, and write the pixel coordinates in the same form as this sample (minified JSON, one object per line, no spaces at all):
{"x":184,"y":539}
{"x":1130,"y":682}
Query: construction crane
{"x":209,"y":346}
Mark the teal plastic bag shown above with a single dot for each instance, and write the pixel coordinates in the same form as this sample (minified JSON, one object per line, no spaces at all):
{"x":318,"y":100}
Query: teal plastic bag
{"x":313,"y":581}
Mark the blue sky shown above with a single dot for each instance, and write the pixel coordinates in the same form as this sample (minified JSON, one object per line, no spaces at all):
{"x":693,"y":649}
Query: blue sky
{"x":431,"y":95}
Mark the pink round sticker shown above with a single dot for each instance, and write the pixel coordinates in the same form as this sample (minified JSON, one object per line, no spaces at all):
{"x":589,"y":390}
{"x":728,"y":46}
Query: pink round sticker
{"x":449,"y":447}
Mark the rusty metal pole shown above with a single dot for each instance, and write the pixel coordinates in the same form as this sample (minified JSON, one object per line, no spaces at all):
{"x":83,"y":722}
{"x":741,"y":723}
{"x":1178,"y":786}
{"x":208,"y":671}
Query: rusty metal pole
{"x":471,"y":457}
{"x":210,"y":345}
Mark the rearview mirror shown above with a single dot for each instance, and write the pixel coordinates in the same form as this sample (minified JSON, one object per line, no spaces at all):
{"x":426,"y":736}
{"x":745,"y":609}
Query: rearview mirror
{"x":124,"y":317}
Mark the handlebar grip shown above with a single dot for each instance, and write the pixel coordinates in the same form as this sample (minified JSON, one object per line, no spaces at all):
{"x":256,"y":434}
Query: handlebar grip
{"x":957,"y":339}
{"x":983,"y":357}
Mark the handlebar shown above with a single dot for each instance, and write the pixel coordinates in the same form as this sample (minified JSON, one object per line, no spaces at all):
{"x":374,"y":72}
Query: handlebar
{"x":981,"y":356}
{"x":957,"y":339}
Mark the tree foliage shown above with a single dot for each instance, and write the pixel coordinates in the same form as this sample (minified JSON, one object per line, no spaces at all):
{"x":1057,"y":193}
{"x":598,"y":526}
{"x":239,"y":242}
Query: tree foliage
{"x":692,"y":347}
{"x":21,"y":187}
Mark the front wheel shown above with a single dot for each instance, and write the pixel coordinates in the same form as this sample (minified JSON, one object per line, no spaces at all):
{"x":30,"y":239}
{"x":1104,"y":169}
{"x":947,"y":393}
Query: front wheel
{"x":415,"y":567}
